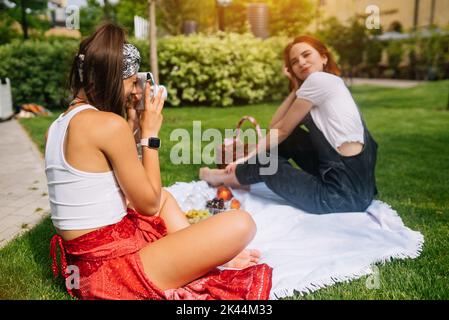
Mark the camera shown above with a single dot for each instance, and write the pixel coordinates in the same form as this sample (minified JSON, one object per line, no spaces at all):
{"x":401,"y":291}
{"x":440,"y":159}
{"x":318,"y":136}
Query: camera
{"x":142,"y":78}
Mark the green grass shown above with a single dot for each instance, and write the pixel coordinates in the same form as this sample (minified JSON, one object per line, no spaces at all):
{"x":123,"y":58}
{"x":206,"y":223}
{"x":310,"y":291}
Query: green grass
{"x":411,"y":127}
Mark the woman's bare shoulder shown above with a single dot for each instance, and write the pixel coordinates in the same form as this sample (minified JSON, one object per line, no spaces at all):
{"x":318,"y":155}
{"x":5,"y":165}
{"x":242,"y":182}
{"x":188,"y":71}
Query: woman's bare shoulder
{"x":100,"y":124}
{"x":101,"y":119}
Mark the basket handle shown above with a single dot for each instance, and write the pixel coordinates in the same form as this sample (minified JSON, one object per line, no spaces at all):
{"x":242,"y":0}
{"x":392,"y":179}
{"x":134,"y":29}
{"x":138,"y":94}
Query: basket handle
{"x":253,"y":121}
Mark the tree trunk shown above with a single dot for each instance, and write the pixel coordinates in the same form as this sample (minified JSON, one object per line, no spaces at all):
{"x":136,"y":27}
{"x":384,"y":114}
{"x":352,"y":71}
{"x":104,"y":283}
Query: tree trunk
{"x":432,"y":12}
{"x":153,"y":40}
{"x":106,"y":7}
{"x":416,"y":16}
{"x":221,"y":17}
{"x":24,"y":19}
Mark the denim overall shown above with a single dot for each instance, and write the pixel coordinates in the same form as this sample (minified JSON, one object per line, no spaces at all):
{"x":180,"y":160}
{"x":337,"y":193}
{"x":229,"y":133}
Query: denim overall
{"x":328,"y":182}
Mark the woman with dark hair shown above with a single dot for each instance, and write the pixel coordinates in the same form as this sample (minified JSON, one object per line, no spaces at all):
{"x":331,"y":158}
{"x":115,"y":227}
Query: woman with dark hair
{"x":320,"y":128}
{"x":121,"y":235}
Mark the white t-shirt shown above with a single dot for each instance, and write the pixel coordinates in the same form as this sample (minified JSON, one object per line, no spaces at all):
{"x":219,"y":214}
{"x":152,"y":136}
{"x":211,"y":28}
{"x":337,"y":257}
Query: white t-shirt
{"x":334,"y":110}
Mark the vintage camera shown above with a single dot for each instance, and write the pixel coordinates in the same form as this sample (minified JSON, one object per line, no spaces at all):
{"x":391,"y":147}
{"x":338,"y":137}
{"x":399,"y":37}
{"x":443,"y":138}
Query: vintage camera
{"x":142,"y":82}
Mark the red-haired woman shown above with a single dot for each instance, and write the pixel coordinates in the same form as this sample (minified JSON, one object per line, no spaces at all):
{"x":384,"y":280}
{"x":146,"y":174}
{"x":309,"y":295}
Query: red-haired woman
{"x":319,"y":127}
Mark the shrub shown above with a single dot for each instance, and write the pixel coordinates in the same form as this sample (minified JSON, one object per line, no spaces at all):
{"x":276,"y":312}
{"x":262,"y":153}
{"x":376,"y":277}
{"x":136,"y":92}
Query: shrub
{"x":222,"y":70}
{"x":395,"y":51}
{"x":38,"y":70}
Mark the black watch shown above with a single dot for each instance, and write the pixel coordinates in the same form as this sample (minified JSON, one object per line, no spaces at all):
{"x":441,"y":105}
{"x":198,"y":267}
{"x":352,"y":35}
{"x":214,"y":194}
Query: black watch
{"x":153,"y":142}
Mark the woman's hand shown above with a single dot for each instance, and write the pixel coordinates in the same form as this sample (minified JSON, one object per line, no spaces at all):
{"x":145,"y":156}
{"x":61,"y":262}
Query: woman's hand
{"x":151,"y":116}
{"x":293,"y":80}
{"x":230,"y":168}
{"x":132,"y":114}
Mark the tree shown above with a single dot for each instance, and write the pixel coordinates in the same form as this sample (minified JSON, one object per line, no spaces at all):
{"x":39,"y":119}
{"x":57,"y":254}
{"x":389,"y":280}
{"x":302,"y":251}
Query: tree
{"x":153,"y":40}
{"x":6,"y":22}
{"x":108,"y":10}
{"x":350,"y":41}
{"x":3,"y":6}
{"x":291,"y":17}
{"x":173,"y":13}
{"x":170,"y":14}
{"x":92,"y":15}
{"x":287,"y":17}
{"x":126,"y":10}
{"x":26,"y":12}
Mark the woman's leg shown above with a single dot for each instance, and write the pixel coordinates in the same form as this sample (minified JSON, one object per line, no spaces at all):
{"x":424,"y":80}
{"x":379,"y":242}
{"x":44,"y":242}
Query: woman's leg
{"x":298,"y":146}
{"x":302,"y":189}
{"x":176,"y":220}
{"x":217,"y":177}
{"x":189,"y":253}
{"x":171,"y":213}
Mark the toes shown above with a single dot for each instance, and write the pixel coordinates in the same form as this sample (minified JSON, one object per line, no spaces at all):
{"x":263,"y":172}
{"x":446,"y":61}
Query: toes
{"x":256,"y":253}
{"x":254,"y":259}
{"x":245,"y":254}
{"x":248,"y":264}
{"x":241,"y":264}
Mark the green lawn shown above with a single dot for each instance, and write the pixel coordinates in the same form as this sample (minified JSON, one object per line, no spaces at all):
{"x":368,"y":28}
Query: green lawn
{"x":411,"y":127}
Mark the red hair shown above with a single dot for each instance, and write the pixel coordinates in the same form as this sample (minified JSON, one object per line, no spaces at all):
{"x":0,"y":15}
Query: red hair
{"x":330,"y":67}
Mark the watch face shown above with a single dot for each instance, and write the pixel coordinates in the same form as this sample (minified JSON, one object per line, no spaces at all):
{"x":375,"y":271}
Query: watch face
{"x":154,"y":143}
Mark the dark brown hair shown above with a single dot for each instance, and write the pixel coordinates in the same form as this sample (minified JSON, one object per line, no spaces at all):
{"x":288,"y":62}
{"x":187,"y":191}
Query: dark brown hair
{"x":330,"y":67}
{"x":102,"y":69}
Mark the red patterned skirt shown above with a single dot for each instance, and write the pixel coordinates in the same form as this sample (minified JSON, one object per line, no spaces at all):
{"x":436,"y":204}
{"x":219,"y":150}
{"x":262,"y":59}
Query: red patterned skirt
{"x":105,"y":264}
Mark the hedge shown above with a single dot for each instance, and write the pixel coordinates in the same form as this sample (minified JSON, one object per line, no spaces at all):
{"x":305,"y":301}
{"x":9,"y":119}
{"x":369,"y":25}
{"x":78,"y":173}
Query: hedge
{"x":222,"y":70}
{"x":38,"y":70}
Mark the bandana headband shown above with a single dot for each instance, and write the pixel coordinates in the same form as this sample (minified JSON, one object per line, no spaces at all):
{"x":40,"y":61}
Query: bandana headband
{"x":131,"y":61}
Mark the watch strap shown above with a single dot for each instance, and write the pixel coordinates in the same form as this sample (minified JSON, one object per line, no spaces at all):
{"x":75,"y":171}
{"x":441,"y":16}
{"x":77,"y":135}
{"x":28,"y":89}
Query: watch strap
{"x":146,"y":142}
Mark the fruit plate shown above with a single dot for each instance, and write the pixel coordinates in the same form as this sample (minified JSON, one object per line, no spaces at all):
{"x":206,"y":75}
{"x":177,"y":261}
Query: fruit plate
{"x":195,"y":215}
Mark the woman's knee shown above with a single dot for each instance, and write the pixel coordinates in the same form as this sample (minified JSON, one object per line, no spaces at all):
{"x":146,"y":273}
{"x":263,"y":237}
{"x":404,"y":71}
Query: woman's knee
{"x":166,"y":197}
{"x":162,"y":201}
{"x":242,"y":224}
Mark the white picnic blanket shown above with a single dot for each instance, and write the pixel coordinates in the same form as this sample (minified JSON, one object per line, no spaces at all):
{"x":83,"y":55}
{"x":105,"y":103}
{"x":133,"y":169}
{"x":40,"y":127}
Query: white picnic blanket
{"x":307,"y":251}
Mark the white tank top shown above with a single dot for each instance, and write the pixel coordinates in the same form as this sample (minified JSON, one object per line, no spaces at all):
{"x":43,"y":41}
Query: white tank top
{"x":79,"y":200}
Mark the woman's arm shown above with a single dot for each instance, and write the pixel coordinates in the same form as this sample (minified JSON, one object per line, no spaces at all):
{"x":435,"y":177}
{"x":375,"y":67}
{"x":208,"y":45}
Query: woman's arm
{"x":283,"y":109}
{"x":139,"y":181}
{"x":284,"y":127}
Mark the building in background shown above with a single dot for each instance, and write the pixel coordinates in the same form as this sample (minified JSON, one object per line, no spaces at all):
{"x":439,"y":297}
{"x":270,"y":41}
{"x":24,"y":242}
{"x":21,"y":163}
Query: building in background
{"x":398,"y":15}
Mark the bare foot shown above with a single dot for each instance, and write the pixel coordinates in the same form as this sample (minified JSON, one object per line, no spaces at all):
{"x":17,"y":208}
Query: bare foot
{"x":210,"y":176}
{"x":246,"y":258}
{"x":217,"y":177}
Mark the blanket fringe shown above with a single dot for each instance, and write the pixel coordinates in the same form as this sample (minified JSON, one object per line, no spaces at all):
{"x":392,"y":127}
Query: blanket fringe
{"x":365,"y":271}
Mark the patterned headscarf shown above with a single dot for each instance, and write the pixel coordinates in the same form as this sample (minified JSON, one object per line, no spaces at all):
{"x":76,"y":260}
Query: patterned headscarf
{"x":131,"y":61}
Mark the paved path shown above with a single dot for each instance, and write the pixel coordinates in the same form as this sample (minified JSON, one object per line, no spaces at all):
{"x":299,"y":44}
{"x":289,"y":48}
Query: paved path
{"x":23,"y":185}
{"x":392,"y":83}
